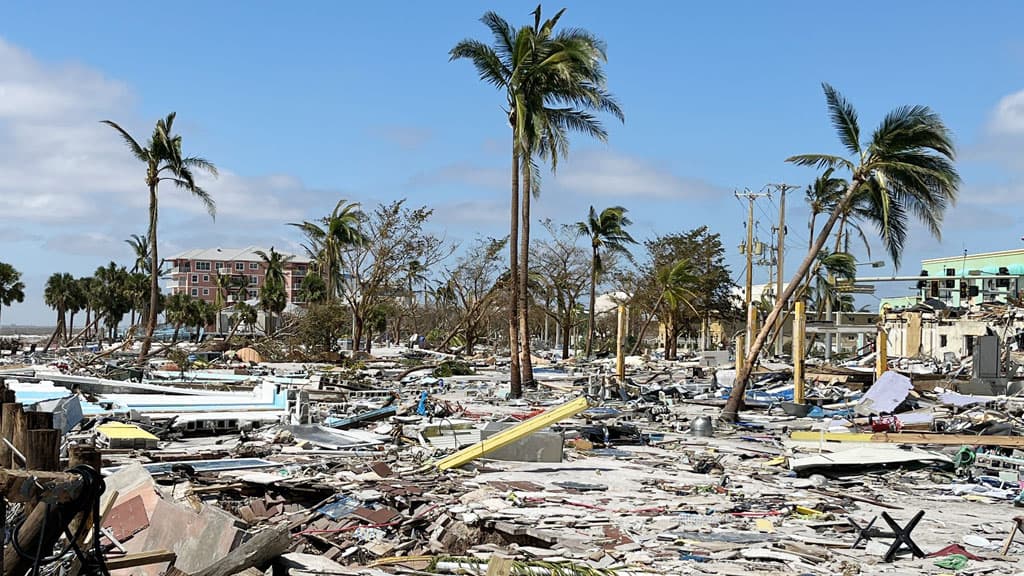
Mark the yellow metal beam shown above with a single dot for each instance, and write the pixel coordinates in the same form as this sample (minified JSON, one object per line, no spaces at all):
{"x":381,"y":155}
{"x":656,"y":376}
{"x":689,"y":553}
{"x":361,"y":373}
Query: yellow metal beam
{"x":510,"y":435}
{"x":798,"y":351}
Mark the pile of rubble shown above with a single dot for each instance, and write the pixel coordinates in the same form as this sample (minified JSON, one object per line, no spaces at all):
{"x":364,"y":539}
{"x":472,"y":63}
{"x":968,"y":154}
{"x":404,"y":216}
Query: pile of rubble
{"x":399,"y":472}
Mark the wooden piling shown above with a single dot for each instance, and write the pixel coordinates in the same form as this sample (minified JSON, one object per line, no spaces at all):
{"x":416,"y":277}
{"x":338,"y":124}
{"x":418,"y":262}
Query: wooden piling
{"x":85,"y":454}
{"x":8,"y":415}
{"x":42,"y":450}
{"x":18,"y":432}
{"x":38,"y":420}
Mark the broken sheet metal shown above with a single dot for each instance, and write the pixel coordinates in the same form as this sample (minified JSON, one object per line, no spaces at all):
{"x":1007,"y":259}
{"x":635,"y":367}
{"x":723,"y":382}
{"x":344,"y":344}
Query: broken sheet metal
{"x":885,"y":395}
{"x":867,"y":456}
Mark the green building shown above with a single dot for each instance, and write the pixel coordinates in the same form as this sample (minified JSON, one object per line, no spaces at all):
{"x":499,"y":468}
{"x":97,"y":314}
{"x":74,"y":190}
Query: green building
{"x":968,"y":279}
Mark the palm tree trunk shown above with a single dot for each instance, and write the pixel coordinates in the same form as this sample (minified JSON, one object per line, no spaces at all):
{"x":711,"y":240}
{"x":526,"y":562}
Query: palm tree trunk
{"x":516,"y":383}
{"x":526,"y":362}
{"x":810,"y":236}
{"x":593,"y":299}
{"x":154,"y":273}
{"x":731,"y":410}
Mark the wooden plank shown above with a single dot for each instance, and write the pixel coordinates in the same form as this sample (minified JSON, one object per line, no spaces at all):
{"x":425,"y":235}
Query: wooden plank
{"x":812,"y":436}
{"x":23,"y":485}
{"x":949,"y":439}
{"x":141,"y":559}
{"x":259,"y":550}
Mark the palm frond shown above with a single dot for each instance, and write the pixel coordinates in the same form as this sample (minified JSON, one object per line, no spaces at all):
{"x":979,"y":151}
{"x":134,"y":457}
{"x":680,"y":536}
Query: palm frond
{"x":844,"y":119}
{"x":821,"y":161}
{"x":200,"y":163}
{"x":136,"y":149}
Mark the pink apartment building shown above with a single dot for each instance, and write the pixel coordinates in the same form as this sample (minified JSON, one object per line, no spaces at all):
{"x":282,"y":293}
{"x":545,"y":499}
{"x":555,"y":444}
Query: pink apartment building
{"x":195,"y":272}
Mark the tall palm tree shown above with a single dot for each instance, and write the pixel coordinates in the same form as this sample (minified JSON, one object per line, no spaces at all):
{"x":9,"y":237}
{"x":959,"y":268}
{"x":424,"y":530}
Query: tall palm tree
{"x":140,"y":246}
{"x":329,"y":237}
{"x":12,"y":289}
{"x":607,"y":233}
{"x":905,"y":167}
{"x":58,"y":294}
{"x":552,"y":82}
{"x":165,"y":162}
{"x":273,"y":293}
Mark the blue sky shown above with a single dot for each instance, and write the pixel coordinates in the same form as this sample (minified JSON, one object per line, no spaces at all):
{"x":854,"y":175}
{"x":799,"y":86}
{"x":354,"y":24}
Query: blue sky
{"x":305,"y":103}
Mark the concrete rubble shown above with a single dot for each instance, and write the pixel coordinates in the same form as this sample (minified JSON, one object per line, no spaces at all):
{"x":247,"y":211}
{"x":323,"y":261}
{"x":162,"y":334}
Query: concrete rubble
{"x":312,"y":469}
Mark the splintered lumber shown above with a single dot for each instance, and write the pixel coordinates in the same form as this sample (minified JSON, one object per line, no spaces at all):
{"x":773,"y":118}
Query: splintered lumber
{"x":140,"y":559}
{"x":24,"y":485}
{"x":259,"y":550}
{"x":949,"y":439}
{"x":510,"y":435}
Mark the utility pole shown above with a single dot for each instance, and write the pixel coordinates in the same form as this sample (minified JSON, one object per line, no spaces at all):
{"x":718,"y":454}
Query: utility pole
{"x":749,"y":250}
{"x":780,"y":251}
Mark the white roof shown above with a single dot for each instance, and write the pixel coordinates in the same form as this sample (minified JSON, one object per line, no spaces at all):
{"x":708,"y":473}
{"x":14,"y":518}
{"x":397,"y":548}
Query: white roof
{"x":247,"y":254}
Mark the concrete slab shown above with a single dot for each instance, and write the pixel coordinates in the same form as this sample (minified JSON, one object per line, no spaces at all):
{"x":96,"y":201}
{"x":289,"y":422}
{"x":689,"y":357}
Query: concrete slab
{"x":542,"y":446}
{"x":199,"y":540}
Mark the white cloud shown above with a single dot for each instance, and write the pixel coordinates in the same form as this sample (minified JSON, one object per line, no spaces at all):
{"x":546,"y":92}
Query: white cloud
{"x":607,"y":173}
{"x":1008,"y":117}
{"x":62,"y":166}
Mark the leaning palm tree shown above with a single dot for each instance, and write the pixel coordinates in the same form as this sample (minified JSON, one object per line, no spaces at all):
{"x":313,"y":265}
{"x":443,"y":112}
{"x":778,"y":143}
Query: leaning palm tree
{"x":164,"y":162}
{"x":905,"y":167}
{"x":12,"y":289}
{"x":607,"y":233}
{"x":551,"y":82}
{"x":329,"y":237}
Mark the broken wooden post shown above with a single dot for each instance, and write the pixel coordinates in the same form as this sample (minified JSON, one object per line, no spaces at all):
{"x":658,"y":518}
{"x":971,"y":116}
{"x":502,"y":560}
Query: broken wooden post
{"x":35,"y":420}
{"x":42,"y":449}
{"x":40,"y":443}
{"x":18,"y":433}
{"x":85,"y":454}
{"x":7,"y":419}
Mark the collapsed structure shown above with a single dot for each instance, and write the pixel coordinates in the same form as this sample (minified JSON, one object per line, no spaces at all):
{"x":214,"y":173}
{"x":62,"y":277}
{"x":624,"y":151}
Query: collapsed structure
{"x":413,"y":462}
